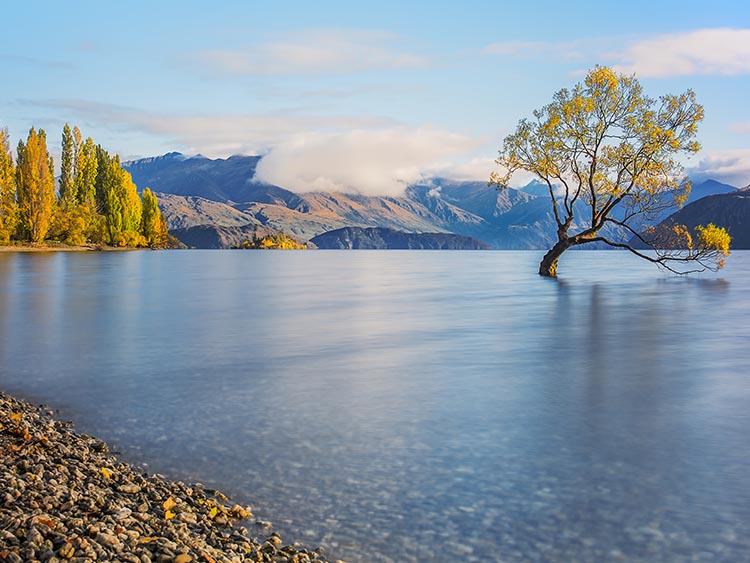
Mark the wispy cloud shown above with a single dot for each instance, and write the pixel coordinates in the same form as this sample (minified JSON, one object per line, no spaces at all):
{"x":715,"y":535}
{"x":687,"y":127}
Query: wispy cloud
{"x":731,"y":167}
{"x":211,"y":135}
{"x":315,"y":52}
{"x":720,"y":52}
{"x":740,"y":127}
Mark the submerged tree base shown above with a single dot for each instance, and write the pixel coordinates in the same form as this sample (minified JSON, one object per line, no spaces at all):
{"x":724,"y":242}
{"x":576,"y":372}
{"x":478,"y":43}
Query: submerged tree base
{"x":548,"y":265}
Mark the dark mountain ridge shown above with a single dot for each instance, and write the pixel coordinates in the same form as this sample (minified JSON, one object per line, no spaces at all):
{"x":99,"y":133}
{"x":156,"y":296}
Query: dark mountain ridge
{"x":374,"y":238}
{"x":729,"y":210}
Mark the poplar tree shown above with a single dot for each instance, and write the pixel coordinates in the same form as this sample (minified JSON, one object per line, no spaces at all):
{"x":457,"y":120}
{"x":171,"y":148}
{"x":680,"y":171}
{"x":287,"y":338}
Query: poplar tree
{"x":8,"y":209}
{"x":153,"y":225}
{"x":35,"y":185}
{"x":117,"y":199}
{"x":86,"y":169}
{"x":67,"y":169}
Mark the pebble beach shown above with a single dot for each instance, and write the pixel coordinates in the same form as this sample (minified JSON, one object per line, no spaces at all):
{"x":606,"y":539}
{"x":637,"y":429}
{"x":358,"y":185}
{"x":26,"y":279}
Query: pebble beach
{"x":65,"y":497}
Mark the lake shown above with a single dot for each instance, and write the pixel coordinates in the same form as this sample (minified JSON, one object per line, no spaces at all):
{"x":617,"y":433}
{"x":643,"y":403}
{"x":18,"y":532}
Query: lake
{"x":406,"y":405}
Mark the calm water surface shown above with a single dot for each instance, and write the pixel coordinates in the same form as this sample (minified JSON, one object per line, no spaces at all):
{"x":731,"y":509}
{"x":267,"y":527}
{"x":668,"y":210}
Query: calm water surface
{"x":411,"y":406}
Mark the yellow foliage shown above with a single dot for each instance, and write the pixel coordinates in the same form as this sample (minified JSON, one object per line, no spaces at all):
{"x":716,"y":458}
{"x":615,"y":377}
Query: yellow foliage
{"x":712,"y":237}
{"x":106,"y":472}
{"x":169,"y":504}
{"x":76,"y":225}
{"x":682,"y":237}
{"x":273,"y":242}
{"x":130,"y":238}
{"x":168,"y":515}
{"x":35,"y":182}
{"x":153,"y":225}
{"x":8,"y":207}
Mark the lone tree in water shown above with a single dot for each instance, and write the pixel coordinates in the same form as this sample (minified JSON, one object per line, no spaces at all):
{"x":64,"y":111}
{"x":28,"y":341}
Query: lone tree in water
{"x":607,"y":148}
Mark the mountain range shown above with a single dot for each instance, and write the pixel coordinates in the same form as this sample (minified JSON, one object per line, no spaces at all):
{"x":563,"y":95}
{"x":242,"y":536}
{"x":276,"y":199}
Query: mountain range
{"x":214,"y":202}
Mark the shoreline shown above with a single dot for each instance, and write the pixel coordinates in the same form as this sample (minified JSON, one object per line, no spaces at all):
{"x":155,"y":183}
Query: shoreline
{"x":46,"y":248}
{"x":64,"y":248}
{"x":63,"y":496}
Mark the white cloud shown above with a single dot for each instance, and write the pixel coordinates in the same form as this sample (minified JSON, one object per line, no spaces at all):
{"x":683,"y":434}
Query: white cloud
{"x":372,"y":162}
{"x":316,"y":52}
{"x":720,"y":51}
{"x":741,"y":127}
{"x":477,"y":169}
{"x":731,"y":167}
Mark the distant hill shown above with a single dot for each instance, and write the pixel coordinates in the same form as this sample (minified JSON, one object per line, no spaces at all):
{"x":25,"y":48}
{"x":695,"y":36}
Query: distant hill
{"x":729,"y":210}
{"x":707,"y":188}
{"x":222,"y":179}
{"x":353,"y":238}
{"x":197,"y":191}
{"x":182,"y":212}
{"x":536,"y":188}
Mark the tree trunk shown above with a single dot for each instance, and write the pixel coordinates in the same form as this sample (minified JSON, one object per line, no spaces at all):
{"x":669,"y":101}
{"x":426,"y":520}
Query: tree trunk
{"x":548,"y":265}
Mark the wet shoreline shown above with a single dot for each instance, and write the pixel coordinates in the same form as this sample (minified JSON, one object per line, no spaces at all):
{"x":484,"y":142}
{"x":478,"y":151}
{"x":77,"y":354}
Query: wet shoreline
{"x":66,"y":497}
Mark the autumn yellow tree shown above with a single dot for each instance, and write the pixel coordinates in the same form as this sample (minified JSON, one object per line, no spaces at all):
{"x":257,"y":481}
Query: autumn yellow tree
{"x":8,"y":209}
{"x":117,"y":198}
{"x":35,"y":185}
{"x":153,"y":225}
{"x":609,"y":146}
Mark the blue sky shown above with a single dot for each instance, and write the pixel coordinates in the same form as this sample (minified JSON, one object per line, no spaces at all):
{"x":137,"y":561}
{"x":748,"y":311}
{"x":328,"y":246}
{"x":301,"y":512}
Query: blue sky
{"x":365,"y":96}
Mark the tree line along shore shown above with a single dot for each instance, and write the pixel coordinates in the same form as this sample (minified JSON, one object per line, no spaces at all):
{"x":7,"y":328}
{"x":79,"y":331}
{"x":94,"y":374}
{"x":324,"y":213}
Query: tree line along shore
{"x":96,"y":202}
{"x":64,"y":497}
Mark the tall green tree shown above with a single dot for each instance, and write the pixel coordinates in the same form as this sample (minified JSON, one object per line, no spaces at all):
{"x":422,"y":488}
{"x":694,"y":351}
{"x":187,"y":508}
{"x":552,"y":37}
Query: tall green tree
{"x":104,"y":180}
{"x":67,"y":169}
{"x":117,"y":199}
{"x":35,"y":185}
{"x":614,"y":149}
{"x":86,"y":169}
{"x":8,"y":208}
{"x":153,"y":225}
